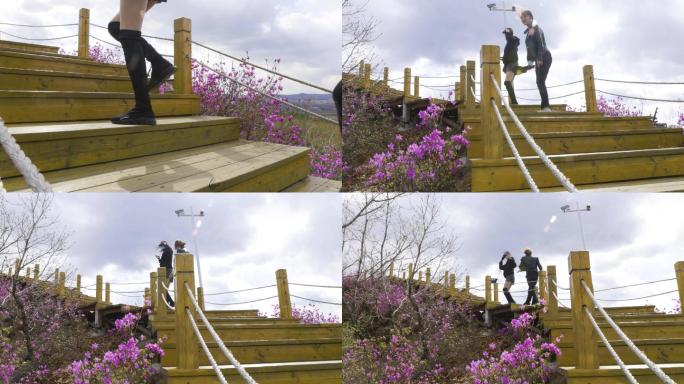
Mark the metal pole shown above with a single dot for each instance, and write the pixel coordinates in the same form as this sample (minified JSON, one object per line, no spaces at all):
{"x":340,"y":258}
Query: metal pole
{"x":194,"y":240}
{"x":579,"y":217}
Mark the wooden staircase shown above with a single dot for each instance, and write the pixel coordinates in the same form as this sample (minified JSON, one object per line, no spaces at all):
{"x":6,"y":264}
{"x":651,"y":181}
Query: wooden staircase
{"x":660,"y":336}
{"x":58,"y":109}
{"x":272,"y":350}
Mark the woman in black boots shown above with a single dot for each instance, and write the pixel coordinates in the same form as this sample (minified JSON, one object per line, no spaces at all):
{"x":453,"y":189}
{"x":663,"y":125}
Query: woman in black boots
{"x":538,"y":54}
{"x":126,"y":27}
{"x":510,"y":61}
{"x":507,"y":265}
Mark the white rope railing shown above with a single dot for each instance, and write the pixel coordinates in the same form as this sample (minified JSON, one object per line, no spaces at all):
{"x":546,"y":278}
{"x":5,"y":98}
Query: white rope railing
{"x":167,"y":288}
{"x":472,"y":92}
{"x":656,"y":370}
{"x":34,"y":179}
{"x":239,"y":290}
{"x":516,"y":154}
{"x":212,"y":361}
{"x":564,"y":180}
{"x":641,"y":98}
{"x":226,"y":352}
{"x":610,"y":348}
{"x":559,"y":301}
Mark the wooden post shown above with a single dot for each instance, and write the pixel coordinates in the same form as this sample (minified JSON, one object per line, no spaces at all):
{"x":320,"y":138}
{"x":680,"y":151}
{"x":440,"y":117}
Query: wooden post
{"x":56,"y":277}
{"x":410,"y":272}
{"x":84,"y":33}
{"x":590,"y":89}
{"x":161,"y":312}
{"x":446,"y":279}
{"x":284,"y":294}
{"x":463,"y":83}
{"x":78,"y":283}
{"x":428,"y":276}
{"x":391,"y":269}
{"x":496,"y":293}
{"x":362,"y":68}
{"x":488,"y":289}
{"x":183,"y":55}
{"x":367,"y":77}
{"x":200,"y":297}
{"x":385,"y":76}
{"x":491,"y":132}
{"x":28,"y":272}
{"x":543,"y":293}
{"x":467,"y":287}
{"x":98,"y":290}
{"x":679,"y":273}
{"x":416,"y":86}
{"x":407,"y":82}
{"x":107,"y":297}
{"x":36,"y":271}
{"x":452,"y":281}
{"x":553,"y":290}
{"x":420,"y":275}
{"x":17,"y":266}
{"x":470,"y":85}
{"x":153,"y":291}
{"x":62,"y":284}
{"x":187,"y":347}
{"x":586,"y":340}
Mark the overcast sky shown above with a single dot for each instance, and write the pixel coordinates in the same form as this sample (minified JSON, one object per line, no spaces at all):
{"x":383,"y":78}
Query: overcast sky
{"x":632,"y":238}
{"x":242,"y":240}
{"x":305,"y":34}
{"x":623,"y":39}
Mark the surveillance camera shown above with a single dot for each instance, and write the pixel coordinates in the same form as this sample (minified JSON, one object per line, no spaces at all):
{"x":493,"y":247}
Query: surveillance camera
{"x":202,"y":213}
{"x":491,"y":6}
{"x":588,"y":207}
{"x":565,"y":208}
{"x":180,"y":212}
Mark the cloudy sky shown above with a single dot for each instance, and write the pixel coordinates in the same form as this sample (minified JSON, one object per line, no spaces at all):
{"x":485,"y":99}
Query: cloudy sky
{"x":623,"y":39}
{"x":242,"y":241}
{"x":632,"y":238}
{"x":304,"y":34}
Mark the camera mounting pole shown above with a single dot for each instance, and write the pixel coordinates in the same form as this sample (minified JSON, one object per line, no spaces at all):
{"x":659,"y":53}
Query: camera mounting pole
{"x":567,"y":209}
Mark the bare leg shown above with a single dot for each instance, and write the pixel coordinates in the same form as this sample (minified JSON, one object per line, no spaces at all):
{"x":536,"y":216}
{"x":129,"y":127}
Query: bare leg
{"x":510,"y":76}
{"x":150,"y":4}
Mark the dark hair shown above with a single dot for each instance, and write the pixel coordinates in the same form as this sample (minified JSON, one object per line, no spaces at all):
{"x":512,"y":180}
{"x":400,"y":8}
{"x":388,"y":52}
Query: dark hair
{"x":527,"y":12}
{"x":528,"y":252}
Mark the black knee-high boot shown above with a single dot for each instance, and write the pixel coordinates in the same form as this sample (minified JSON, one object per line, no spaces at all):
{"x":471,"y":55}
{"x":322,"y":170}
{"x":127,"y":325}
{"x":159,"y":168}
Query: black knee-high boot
{"x":508,"y":295}
{"x":511,"y":92}
{"x":135,"y":62}
{"x":162,"y":69}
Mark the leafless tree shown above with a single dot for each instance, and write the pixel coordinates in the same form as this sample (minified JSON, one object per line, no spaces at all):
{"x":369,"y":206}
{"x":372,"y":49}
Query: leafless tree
{"x":359,"y":31}
{"x":31,"y":234}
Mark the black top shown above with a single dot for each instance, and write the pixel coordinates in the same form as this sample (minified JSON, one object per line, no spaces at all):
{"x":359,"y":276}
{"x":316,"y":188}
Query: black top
{"x":508,"y":266}
{"x":530,"y":264}
{"x":536,"y":44}
{"x":166,"y":259}
{"x":511,"y":50}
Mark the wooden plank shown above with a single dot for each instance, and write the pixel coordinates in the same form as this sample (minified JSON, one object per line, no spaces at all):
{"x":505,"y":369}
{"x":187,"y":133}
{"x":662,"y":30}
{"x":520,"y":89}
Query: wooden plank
{"x":48,"y":80}
{"x":316,"y":184}
{"x":280,"y":373}
{"x":4,"y":44}
{"x":9,"y":59}
{"x":87,"y":144}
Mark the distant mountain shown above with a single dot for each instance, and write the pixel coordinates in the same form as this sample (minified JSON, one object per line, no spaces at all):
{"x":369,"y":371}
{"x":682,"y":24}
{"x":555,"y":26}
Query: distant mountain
{"x":320,"y":103}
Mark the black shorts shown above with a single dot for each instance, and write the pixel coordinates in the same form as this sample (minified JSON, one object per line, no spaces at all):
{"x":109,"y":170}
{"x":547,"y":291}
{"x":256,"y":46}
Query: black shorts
{"x":510,"y":278}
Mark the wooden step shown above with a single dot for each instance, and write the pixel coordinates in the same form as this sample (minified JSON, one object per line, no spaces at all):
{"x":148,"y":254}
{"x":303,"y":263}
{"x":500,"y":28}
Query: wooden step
{"x":556,"y":143}
{"x":169,"y":323}
{"x":49,"y":106}
{"x":523,"y":108}
{"x":614,"y":375}
{"x":582,"y":169}
{"x":657,"y":185}
{"x":19,"y":79}
{"x":653,"y":329}
{"x":324,"y":372}
{"x":545,"y":124}
{"x":68,"y":145}
{"x":622,"y":310}
{"x":238,"y":166}
{"x":316,"y":184}
{"x":265,"y":351}
{"x":56,"y":62}
{"x":660,"y":351}
{"x":475,"y":115}
{"x":27,"y":47}
{"x":255,"y":331}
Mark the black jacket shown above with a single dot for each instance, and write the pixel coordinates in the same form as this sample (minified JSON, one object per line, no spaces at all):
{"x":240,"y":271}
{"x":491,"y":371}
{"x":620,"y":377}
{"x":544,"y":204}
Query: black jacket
{"x":536,"y":44}
{"x":166,"y":259}
{"x":511,"y":49}
{"x":509,"y":267}
{"x":530,"y":264}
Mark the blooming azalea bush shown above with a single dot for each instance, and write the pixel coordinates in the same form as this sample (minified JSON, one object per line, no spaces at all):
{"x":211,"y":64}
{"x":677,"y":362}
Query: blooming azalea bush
{"x":307,"y":314}
{"x":522,"y":357}
{"x":611,"y":107}
{"x":680,"y":121}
